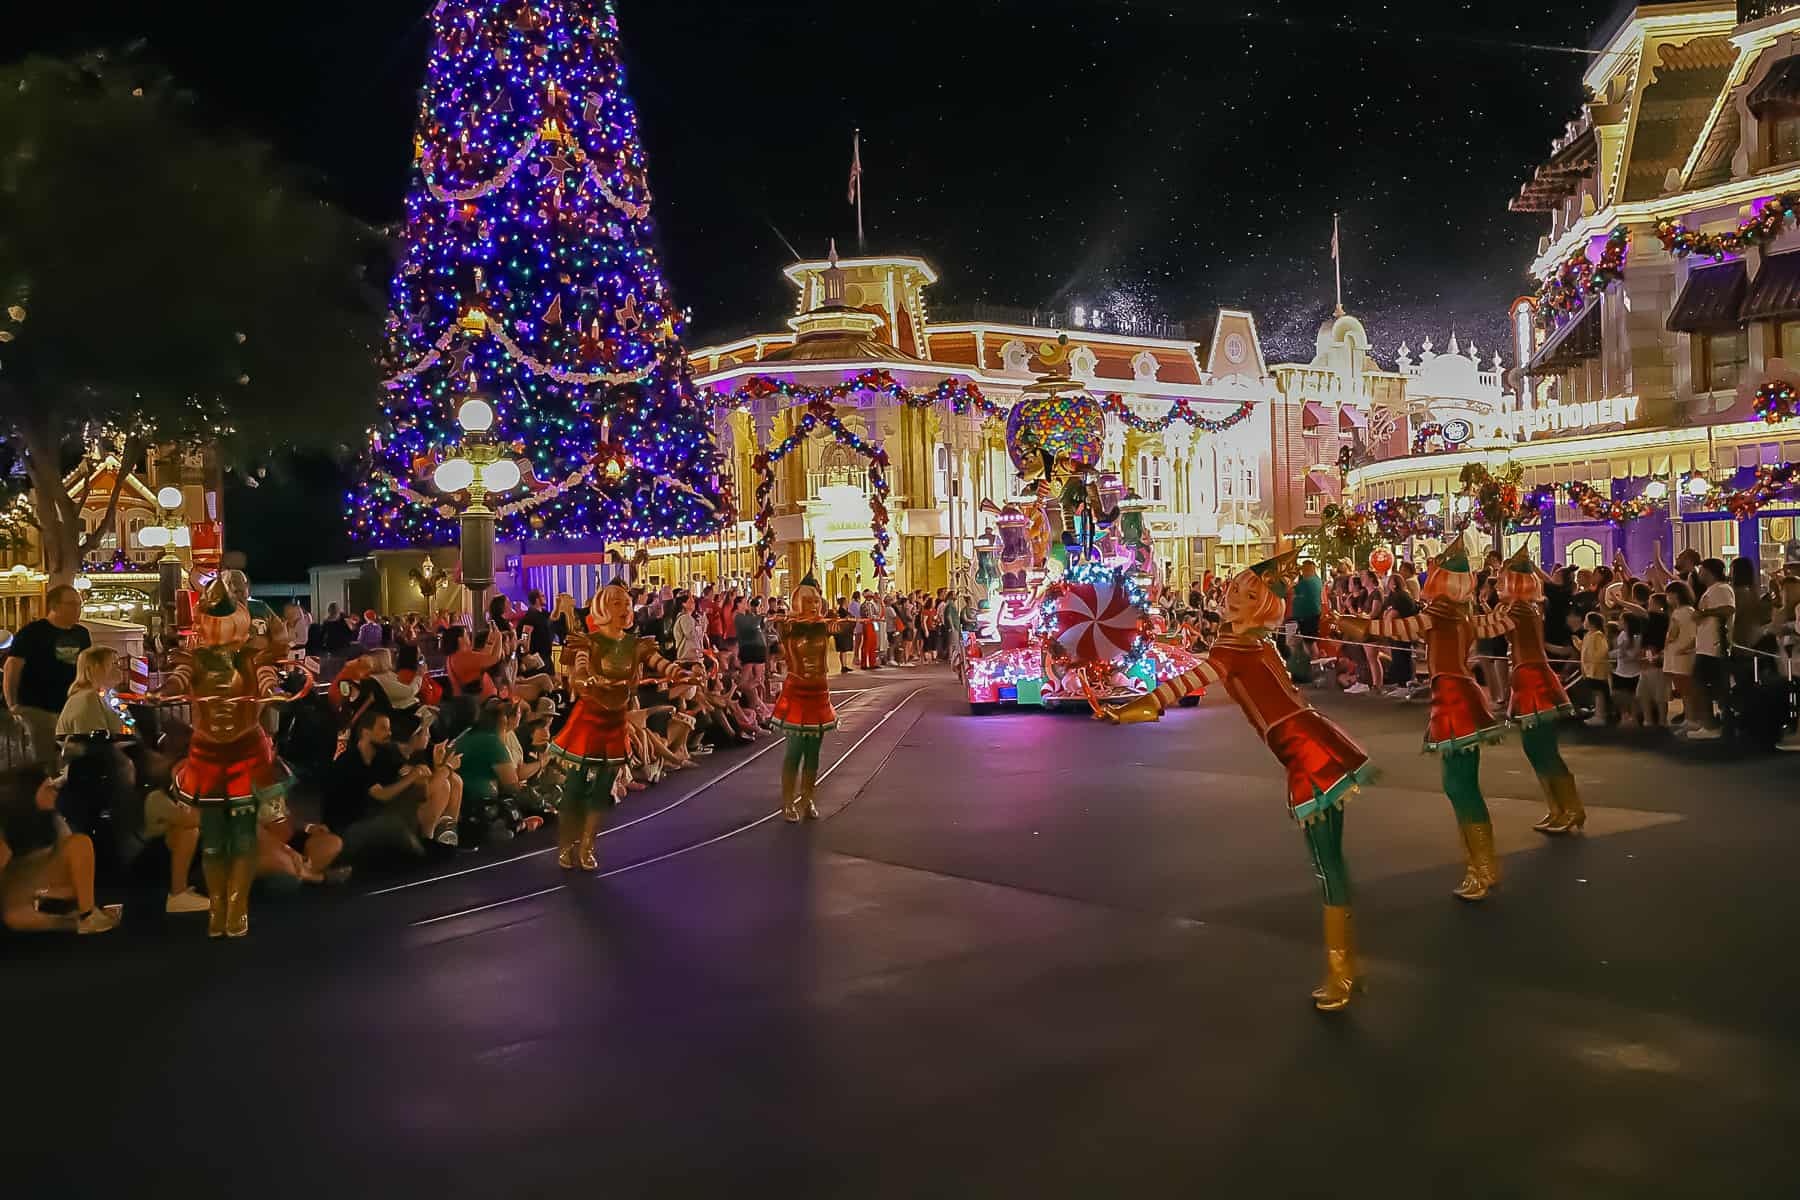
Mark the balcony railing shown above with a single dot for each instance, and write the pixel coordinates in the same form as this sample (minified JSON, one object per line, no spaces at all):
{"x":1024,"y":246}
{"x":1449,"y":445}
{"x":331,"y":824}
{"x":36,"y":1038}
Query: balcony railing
{"x":1062,"y":319}
{"x":1756,"y":10}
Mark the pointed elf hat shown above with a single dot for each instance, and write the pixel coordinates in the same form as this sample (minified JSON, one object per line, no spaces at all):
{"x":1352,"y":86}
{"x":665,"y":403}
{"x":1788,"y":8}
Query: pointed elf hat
{"x":809,"y":580}
{"x":1455,"y":557}
{"x":1521,"y":562}
{"x":1275,"y":572}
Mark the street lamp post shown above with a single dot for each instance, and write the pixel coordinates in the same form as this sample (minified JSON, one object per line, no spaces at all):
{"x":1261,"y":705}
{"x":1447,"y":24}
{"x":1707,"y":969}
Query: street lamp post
{"x":480,"y":469}
{"x":168,"y":534}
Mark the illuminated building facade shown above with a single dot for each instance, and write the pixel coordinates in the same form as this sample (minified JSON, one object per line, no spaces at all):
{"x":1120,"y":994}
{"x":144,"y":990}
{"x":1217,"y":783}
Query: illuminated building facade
{"x":1211,"y":496}
{"x":1642,"y":360}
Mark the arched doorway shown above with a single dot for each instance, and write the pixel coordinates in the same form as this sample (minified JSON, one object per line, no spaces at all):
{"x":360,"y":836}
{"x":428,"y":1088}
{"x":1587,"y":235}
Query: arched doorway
{"x":849,"y":572}
{"x":1583,"y":554}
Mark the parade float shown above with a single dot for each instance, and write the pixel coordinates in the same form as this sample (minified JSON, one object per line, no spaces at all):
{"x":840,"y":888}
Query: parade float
{"x":1073,"y":619}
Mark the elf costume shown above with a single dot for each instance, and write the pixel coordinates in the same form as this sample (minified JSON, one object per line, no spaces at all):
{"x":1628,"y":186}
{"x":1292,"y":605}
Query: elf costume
{"x":1324,"y":764}
{"x":1460,"y":717}
{"x":1538,"y":699}
{"x":604,"y":673}
{"x":230,"y":671}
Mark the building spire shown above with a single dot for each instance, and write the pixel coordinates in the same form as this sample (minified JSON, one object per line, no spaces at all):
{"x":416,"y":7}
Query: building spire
{"x":1337,"y":261}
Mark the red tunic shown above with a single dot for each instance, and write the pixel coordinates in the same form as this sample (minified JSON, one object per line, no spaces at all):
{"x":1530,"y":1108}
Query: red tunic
{"x":1460,"y":716}
{"x":594,"y":736}
{"x":805,"y":702}
{"x":604,"y":672}
{"x":1537,"y":692}
{"x":1324,"y":764}
{"x":236,"y":770}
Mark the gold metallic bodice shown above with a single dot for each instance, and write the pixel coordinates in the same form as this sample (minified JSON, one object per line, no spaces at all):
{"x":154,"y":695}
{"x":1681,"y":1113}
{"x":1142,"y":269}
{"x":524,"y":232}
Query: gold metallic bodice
{"x":806,"y":645}
{"x":613,"y":669}
{"x":224,"y":688}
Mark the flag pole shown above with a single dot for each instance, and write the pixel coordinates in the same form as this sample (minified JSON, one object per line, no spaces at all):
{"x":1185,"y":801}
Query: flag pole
{"x":862,"y":245}
{"x":1337,"y":261}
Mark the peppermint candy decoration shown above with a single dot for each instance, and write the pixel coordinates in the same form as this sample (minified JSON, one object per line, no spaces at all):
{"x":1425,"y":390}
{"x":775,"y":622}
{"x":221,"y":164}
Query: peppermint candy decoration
{"x":1096,"y":622}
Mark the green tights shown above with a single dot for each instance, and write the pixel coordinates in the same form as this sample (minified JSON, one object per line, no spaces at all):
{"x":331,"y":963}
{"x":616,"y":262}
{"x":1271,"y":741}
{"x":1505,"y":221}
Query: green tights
{"x":800,"y":767}
{"x":1325,"y":838}
{"x":1462,"y":783}
{"x":1541,"y":748}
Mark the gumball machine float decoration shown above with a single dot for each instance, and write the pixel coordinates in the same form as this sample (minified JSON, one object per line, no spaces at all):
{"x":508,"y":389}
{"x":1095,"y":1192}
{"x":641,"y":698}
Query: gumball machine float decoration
{"x":1054,"y":435}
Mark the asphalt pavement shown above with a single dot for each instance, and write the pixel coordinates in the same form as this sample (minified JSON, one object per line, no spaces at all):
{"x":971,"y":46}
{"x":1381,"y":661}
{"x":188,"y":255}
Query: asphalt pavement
{"x":1023,"y":955}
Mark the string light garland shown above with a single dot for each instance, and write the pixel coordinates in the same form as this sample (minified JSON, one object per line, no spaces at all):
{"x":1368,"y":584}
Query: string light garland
{"x":1780,"y":481}
{"x":529,"y":275}
{"x":961,"y":397}
{"x":1764,"y":226}
{"x":820,"y":412}
{"x":1579,"y":279}
{"x":1181,"y":410}
{"x":1777,"y":401}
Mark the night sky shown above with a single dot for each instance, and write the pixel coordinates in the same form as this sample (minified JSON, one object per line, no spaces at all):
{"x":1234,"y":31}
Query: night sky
{"x":1036,"y":151}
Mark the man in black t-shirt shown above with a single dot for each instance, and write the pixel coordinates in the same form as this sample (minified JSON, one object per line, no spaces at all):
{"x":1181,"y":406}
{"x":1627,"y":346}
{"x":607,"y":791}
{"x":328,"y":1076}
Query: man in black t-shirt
{"x":40,"y":667}
{"x":372,"y":794}
{"x":536,"y":623}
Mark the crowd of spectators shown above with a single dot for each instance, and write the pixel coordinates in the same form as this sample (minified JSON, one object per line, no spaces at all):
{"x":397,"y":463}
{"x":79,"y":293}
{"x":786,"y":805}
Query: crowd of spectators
{"x":1701,"y":649}
{"x":429,"y":735}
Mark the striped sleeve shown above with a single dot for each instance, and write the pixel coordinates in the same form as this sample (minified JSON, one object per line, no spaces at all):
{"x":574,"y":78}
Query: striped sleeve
{"x":1494,"y":623}
{"x":1170,"y":693}
{"x":1401,"y":629}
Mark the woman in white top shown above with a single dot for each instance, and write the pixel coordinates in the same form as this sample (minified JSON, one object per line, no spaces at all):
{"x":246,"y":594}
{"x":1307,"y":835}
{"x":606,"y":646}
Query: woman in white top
{"x":86,"y":711}
{"x":1678,"y":650}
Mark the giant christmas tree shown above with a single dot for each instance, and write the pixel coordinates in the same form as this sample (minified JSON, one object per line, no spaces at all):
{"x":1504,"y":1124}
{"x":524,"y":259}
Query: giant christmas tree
{"x":530,"y":277}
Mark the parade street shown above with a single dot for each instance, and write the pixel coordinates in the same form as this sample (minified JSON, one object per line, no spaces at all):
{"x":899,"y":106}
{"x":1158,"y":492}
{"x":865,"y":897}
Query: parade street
{"x":1022,"y":955}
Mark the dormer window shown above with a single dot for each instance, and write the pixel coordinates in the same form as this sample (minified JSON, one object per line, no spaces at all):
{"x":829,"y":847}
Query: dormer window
{"x":1775,"y":102}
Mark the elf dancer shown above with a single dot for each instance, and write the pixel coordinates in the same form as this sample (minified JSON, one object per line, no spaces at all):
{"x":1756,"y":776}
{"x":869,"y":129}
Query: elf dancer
{"x":1324,"y":764}
{"x":232,"y":670}
{"x":1460,"y":718}
{"x":1538,"y":700}
{"x":605,"y":667}
{"x":804,"y":709}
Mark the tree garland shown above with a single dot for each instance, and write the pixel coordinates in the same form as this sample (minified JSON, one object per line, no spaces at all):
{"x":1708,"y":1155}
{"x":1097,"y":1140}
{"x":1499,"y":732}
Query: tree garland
{"x":1777,"y":401}
{"x":1579,"y":279}
{"x":819,"y":411}
{"x":1762,"y":228}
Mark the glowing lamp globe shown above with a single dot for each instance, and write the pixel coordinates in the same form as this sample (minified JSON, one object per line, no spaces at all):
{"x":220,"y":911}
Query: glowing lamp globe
{"x":1656,"y":489}
{"x":1434,"y":506}
{"x":476,"y":415}
{"x":1697,"y":486}
{"x":83,"y":583}
{"x":154,"y":537}
{"x":501,"y":476}
{"x":169,"y":497}
{"x":454,"y":474}
{"x":182,"y":536}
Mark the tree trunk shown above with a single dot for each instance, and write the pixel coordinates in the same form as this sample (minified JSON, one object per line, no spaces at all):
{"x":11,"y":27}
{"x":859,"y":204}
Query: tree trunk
{"x":59,"y":521}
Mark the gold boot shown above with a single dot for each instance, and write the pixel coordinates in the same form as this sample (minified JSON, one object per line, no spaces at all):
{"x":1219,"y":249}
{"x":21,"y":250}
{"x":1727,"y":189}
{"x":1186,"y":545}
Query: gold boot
{"x":237,"y":907}
{"x":1569,"y":798}
{"x":1554,"y":820}
{"x":218,"y":888}
{"x":1483,"y":873}
{"x":809,"y":780}
{"x":565,"y":856}
{"x":790,"y":794}
{"x":1340,"y":961}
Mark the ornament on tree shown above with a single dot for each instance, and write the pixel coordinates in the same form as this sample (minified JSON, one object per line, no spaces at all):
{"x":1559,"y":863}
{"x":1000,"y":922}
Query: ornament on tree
{"x":553,"y":314}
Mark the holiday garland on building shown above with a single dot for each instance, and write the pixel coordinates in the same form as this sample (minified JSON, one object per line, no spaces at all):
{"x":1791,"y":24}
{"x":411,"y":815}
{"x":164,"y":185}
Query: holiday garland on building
{"x":819,"y":412}
{"x":1764,"y":226}
{"x":1772,"y":482}
{"x":1777,"y":401}
{"x":1579,"y":279}
{"x":529,"y":276}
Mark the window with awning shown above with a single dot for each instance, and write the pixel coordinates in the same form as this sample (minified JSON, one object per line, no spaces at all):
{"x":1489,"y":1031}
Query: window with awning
{"x":1323,"y":483}
{"x":1313,"y":416}
{"x":1712,"y":300}
{"x":1573,"y":343}
{"x":1774,"y":294}
{"x":1350,"y":417}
